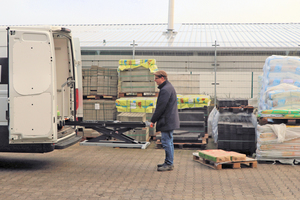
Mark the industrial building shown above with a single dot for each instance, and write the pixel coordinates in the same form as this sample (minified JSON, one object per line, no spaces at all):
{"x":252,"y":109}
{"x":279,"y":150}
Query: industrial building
{"x":193,"y":51}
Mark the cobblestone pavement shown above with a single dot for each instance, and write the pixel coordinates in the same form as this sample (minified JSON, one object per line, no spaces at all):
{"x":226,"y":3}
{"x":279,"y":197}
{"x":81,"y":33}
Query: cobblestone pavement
{"x":90,"y":172}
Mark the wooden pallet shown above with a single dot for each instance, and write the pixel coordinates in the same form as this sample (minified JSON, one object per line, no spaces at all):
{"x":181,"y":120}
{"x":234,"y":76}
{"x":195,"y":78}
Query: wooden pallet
{"x":279,"y":120}
{"x":204,"y":138}
{"x":153,"y":137}
{"x":138,"y":94}
{"x":148,"y":139}
{"x":97,"y":97}
{"x":91,"y":137}
{"x":236,"y":109}
{"x":249,"y":162}
{"x":185,"y":145}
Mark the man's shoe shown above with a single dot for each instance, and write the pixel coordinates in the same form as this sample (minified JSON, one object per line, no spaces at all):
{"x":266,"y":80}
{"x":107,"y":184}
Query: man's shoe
{"x":160,"y":165}
{"x":165,"y":167}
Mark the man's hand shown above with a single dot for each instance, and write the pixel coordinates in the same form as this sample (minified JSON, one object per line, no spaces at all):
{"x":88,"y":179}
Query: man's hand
{"x":149,"y":124}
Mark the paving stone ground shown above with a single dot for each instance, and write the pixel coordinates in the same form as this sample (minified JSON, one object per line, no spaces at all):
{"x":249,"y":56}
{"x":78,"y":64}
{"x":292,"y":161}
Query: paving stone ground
{"x":90,"y":172}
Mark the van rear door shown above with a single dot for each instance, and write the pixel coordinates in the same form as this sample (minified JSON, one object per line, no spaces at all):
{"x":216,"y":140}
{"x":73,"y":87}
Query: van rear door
{"x":32,"y":110}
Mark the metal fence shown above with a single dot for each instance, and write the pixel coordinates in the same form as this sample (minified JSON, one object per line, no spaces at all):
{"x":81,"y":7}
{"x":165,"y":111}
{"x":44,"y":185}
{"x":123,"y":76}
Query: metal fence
{"x":237,"y":72}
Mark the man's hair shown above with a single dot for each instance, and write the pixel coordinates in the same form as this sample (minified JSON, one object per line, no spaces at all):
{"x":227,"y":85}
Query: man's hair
{"x":161,"y":73}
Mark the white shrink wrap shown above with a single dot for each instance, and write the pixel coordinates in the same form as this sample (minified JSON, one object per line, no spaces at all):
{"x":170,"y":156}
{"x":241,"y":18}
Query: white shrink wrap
{"x":280,"y":87}
{"x":278,"y":142}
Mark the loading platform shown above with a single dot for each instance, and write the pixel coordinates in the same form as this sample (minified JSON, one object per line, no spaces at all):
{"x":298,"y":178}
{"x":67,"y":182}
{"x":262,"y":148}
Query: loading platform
{"x":111,"y":130}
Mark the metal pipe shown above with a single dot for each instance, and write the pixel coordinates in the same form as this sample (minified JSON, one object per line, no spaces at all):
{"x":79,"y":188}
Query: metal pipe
{"x":252,"y":85}
{"x":215,"y":69}
{"x":133,"y":50}
{"x":133,"y":54}
{"x":171,"y":16}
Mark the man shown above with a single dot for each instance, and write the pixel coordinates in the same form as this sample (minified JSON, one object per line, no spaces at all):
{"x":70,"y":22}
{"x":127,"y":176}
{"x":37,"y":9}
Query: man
{"x":166,"y":117}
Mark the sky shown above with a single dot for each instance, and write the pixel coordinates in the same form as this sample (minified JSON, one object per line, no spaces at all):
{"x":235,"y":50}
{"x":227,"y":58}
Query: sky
{"x":40,"y":12}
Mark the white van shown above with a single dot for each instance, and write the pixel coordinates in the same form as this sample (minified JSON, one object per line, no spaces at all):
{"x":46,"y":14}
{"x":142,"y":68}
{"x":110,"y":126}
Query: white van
{"x":38,"y":88}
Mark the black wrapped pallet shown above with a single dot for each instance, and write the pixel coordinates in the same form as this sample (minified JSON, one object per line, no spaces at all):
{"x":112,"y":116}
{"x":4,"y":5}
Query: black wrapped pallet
{"x":191,"y":116}
{"x":183,"y":137}
{"x":241,"y":102}
{"x":237,"y":102}
{"x":238,"y":137}
{"x":192,"y":124}
{"x":195,"y":109}
{"x":199,"y":130}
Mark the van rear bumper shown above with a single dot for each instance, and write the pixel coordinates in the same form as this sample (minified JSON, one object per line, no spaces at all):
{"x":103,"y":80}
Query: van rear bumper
{"x":39,"y":148}
{"x":27,"y":148}
{"x":67,"y":142}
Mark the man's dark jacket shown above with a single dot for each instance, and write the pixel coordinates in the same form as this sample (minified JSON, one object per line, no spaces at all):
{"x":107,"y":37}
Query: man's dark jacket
{"x":166,"y":112}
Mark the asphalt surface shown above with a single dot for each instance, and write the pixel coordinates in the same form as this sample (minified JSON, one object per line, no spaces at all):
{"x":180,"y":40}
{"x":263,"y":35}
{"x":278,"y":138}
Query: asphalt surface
{"x":91,"y":172}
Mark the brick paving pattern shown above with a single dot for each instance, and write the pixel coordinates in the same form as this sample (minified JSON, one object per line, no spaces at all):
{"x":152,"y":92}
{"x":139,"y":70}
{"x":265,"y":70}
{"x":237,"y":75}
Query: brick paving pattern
{"x":90,"y":172}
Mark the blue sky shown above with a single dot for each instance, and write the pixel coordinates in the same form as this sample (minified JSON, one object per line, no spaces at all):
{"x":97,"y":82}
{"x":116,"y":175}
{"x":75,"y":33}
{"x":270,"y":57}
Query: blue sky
{"x":28,"y":12}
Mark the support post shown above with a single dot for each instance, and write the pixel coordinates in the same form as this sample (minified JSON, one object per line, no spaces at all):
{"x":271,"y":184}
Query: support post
{"x":133,"y":48}
{"x":215,"y":70}
{"x":252,"y":85}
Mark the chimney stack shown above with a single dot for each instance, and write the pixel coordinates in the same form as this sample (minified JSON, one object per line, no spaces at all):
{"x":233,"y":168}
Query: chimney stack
{"x":171,"y":16}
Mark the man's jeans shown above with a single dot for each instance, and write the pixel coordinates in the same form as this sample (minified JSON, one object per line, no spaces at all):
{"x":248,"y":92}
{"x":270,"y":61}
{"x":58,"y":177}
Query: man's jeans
{"x":167,"y":144}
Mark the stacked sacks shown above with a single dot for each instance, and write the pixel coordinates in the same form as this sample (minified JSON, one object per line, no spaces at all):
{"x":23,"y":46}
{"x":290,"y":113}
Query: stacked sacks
{"x":147,"y":104}
{"x":278,"y":142}
{"x":192,"y":101}
{"x":136,"y":104}
{"x":281,"y":113}
{"x":280,"y":97}
{"x":280,"y":83}
{"x":283,"y":96}
{"x":133,"y":64}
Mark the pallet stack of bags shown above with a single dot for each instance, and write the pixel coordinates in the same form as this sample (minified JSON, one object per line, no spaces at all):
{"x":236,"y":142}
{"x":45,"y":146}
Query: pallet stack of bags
{"x":279,"y":102}
{"x":192,"y":101}
{"x":280,"y":83}
{"x":279,"y":142}
{"x":100,"y":86}
{"x":137,"y":91}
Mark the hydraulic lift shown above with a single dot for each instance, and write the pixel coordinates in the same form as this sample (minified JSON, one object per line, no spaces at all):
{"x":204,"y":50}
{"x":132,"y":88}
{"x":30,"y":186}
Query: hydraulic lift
{"x":110,"y":130}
